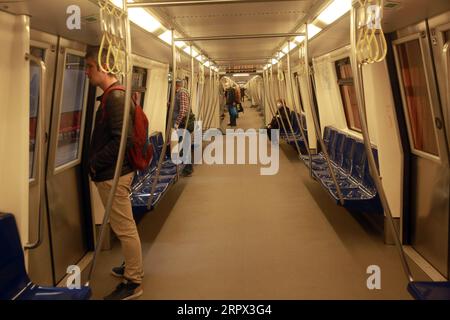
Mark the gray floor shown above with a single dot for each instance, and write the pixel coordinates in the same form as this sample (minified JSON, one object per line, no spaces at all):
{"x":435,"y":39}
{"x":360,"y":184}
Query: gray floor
{"x":229,"y":233}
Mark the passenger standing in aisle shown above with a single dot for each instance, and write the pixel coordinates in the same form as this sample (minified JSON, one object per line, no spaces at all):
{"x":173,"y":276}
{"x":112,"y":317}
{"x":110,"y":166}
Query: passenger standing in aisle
{"x":179,"y":118}
{"x":103,"y":155}
{"x":238,"y":100}
{"x":230,"y":97}
{"x":242,"y":94}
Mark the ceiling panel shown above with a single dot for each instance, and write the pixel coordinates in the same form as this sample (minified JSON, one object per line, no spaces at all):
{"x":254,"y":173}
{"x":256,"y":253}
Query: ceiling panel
{"x":235,"y":19}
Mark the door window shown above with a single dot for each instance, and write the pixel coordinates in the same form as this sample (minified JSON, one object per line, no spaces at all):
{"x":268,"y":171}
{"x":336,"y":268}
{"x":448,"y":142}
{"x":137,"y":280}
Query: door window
{"x":71,"y":115}
{"x":35,"y":82}
{"x":416,"y":97}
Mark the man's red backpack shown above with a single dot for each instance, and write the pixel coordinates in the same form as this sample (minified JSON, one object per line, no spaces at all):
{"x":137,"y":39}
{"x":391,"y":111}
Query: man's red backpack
{"x":140,"y":150}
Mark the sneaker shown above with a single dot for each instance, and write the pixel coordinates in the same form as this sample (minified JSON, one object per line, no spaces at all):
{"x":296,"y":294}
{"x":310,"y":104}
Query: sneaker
{"x":118,"y":271}
{"x":125,"y":291}
{"x":186,"y":174}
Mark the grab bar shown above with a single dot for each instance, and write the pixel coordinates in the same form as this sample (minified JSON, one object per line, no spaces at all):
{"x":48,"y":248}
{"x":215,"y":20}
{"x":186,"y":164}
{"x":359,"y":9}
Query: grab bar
{"x":445,"y":52}
{"x":40,"y":147}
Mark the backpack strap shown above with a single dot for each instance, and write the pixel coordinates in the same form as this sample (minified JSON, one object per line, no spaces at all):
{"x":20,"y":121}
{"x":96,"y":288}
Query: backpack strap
{"x":106,"y":94}
{"x":107,"y":91}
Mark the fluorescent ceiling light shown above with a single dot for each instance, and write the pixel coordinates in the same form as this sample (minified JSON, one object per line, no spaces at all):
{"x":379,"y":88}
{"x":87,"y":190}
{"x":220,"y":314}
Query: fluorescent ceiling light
{"x":313,"y":30}
{"x":286,"y":48}
{"x":180,"y":44}
{"x":334,"y":11}
{"x":207,"y":64}
{"x":274,"y":61}
{"x":117,"y":3}
{"x":143,"y":19}
{"x":188,"y":51}
{"x":199,"y":58}
{"x":166,"y":36}
{"x":299,"y":39}
{"x":241,"y":75}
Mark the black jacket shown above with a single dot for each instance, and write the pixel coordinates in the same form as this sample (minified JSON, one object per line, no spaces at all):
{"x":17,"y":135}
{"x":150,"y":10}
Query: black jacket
{"x":283,"y":114}
{"x":230,"y":96}
{"x":105,"y":142}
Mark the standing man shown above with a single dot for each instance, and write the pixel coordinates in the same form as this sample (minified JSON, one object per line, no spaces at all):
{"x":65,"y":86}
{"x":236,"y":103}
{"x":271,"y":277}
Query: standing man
{"x":179,"y":118}
{"x":242,"y":94}
{"x":103,"y":156}
{"x":230,"y":97}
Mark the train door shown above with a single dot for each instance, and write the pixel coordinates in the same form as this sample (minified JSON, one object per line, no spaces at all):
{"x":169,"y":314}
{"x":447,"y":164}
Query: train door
{"x":429,"y":187}
{"x":42,"y":47}
{"x":67,"y":218}
{"x":440,"y":33}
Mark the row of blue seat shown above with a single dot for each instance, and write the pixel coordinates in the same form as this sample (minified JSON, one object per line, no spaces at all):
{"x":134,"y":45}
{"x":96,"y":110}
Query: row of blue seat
{"x":349,"y":162}
{"x":14,"y":281}
{"x":143,"y":180}
{"x":296,"y":135}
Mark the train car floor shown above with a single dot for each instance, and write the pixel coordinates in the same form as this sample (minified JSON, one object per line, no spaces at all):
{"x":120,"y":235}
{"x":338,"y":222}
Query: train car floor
{"x":228,"y":232}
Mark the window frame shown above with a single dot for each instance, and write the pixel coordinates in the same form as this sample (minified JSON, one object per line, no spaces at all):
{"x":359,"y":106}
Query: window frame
{"x":141,"y":89}
{"x":32,"y":178}
{"x":58,"y":169}
{"x":342,"y":82}
{"x":417,"y":152}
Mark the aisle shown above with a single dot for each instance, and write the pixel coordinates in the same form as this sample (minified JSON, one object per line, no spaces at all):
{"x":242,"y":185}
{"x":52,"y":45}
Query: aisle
{"x":229,"y":233}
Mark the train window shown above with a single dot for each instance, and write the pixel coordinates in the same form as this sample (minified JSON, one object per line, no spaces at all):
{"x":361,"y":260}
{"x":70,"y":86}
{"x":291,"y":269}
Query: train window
{"x":348,"y":94}
{"x":416,"y":97}
{"x":35,"y":81}
{"x":71,"y":110}
{"x":139,"y":84}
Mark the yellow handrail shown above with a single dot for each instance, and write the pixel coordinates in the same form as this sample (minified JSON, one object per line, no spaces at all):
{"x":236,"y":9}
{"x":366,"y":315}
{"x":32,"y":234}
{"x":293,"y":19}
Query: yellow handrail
{"x":371,"y":46}
{"x":112,"y":23}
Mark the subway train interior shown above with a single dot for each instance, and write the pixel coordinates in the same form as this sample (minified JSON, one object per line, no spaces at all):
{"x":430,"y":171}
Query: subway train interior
{"x":320,"y":150}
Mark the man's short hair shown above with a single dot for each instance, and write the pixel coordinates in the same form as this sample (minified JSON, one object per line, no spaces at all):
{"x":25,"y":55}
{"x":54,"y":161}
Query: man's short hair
{"x":179,"y":81}
{"x":92,"y":52}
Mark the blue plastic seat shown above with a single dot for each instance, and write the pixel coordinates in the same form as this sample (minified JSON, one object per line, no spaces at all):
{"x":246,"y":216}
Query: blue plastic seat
{"x":349,"y":164}
{"x":367,"y":181}
{"x":347,"y":154}
{"x":359,"y":161}
{"x":167,"y":176}
{"x":14,"y":281}
{"x":429,"y":290}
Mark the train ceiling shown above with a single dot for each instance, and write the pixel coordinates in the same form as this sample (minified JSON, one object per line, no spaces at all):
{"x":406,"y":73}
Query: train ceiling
{"x":220,"y":19}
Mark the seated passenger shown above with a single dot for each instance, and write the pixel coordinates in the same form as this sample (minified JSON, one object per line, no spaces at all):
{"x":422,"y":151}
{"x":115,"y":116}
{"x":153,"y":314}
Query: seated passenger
{"x":280,"y":120}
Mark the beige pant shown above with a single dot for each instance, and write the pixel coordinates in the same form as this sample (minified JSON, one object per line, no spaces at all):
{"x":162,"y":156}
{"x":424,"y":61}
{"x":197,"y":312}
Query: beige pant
{"x":124,"y":226}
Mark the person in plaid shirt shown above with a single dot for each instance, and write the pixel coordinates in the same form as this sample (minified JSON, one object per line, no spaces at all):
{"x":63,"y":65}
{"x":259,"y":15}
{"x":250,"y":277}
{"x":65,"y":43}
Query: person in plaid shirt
{"x":180,"y":112}
{"x":182,"y":102}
